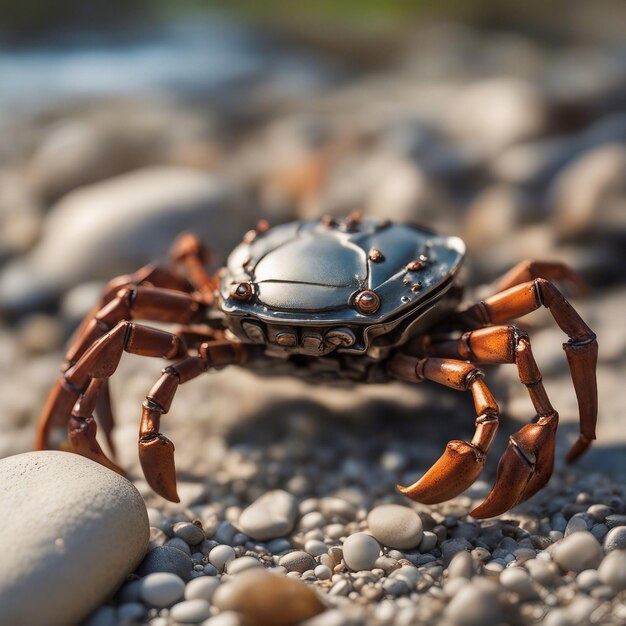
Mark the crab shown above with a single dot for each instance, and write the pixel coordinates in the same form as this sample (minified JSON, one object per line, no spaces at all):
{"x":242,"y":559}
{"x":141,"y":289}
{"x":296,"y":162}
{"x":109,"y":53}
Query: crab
{"x":356,"y":300}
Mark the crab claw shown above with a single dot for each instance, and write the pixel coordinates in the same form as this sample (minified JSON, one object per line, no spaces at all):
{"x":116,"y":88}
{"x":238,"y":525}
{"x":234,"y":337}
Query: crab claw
{"x":156,"y":454}
{"x":525,"y":467}
{"x":456,"y":469}
{"x":82,"y":436}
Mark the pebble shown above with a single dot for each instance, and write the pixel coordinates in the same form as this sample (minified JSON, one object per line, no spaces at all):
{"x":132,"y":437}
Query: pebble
{"x":241,"y":564}
{"x":161,"y":590}
{"x":396,"y":526}
{"x":360,"y":551}
{"x":225,"y":618}
{"x":191,"y":611}
{"x":56,"y":504}
{"x":130,"y":612}
{"x":297,"y":561}
{"x":315,"y":547}
{"x":612,"y":570}
{"x":264,"y":599}
{"x":428,"y":542}
{"x":323,"y":572}
{"x":517,"y":580}
{"x":188,"y":532}
{"x":476,"y":604}
{"x":461,"y":565}
{"x":615,"y":539}
{"x":614,"y":520}
{"x":270,"y":516}
{"x":166,"y":559}
{"x":588,"y":579}
{"x":220,"y":555}
{"x":201,"y":588}
{"x":577,"y":552}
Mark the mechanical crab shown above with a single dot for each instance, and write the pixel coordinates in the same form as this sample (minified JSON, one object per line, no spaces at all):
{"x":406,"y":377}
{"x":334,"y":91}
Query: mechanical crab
{"x":359,"y":300}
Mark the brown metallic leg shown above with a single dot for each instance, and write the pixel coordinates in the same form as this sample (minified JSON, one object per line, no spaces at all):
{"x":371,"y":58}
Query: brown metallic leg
{"x":581,"y":349}
{"x":550,"y":270}
{"x":156,"y":452}
{"x":527,"y":464}
{"x":191,"y":255}
{"x":462,"y":461}
{"x":131,"y":302}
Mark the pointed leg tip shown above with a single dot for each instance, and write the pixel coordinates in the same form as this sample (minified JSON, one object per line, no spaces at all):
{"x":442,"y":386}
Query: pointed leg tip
{"x":157,"y":461}
{"x":581,"y":445}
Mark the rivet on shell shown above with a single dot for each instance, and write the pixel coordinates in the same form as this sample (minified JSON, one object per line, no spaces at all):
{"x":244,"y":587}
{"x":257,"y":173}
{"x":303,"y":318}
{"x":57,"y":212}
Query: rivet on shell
{"x":329,"y":221}
{"x":414,"y":266}
{"x":241,"y":291}
{"x":367,"y":302}
{"x":416,"y":287}
{"x":376,"y":256}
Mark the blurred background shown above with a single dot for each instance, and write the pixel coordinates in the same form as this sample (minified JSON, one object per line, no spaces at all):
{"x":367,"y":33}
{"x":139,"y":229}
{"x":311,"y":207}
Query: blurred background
{"x":124,"y":123}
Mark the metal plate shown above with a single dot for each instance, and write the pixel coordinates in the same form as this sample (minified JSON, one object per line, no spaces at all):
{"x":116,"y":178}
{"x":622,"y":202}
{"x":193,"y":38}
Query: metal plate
{"x":307,"y":273}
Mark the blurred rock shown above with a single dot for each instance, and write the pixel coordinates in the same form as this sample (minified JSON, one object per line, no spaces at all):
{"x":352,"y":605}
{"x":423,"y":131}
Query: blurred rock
{"x":590,"y":194}
{"x":496,"y":113}
{"x":118,"y":225}
{"x":91,"y":145}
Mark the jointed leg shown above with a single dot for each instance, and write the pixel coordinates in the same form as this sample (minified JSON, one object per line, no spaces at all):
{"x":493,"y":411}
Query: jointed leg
{"x":156,"y":452}
{"x":527,"y":464}
{"x":581,"y":349}
{"x":549,"y":270}
{"x":131,"y":302}
{"x":462,"y":461}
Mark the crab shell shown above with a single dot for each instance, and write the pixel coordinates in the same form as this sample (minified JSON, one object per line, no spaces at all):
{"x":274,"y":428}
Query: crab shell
{"x":314,"y":287}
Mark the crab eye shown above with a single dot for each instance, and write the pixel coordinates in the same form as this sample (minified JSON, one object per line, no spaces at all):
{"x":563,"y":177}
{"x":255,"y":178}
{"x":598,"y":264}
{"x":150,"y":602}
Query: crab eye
{"x":367,"y":301}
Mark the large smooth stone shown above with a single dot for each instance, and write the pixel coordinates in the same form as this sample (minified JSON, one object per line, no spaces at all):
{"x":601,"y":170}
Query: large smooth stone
{"x":396,"y":526}
{"x":72,"y":530}
{"x":115,"y":226}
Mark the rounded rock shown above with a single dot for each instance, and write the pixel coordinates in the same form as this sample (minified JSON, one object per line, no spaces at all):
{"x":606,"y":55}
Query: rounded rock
{"x":161,"y":590}
{"x":190,"y":533}
{"x":396,"y":526}
{"x":612,"y":570}
{"x":360,"y":551}
{"x":270,"y":516}
{"x":166,"y":559}
{"x":191,"y":611}
{"x":220,"y":555}
{"x":241,"y":564}
{"x":201,"y":588}
{"x":265,"y":599}
{"x":577,"y":552}
{"x":476,"y":604}
{"x":517,"y":580}
{"x":615,"y":539}
{"x":63,"y":515}
{"x":297,"y":561}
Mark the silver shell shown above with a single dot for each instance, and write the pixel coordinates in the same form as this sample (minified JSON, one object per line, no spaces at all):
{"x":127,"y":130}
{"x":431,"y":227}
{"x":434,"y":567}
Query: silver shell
{"x":308,"y":274}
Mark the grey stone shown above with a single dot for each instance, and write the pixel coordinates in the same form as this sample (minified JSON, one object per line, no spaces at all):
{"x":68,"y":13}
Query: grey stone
{"x":475,"y":604}
{"x":612,"y":570}
{"x":161,"y":589}
{"x":188,"y":532}
{"x":297,"y":561}
{"x":396,"y":526}
{"x":270,"y":516}
{"x":578,"y":552}
{"x":67,"y":514}
{"x":615,"y":539}
{"x":191,"y":611}
{"x":201,"y":588}
{"x":166,"y":559}
{"x":360,"y":551}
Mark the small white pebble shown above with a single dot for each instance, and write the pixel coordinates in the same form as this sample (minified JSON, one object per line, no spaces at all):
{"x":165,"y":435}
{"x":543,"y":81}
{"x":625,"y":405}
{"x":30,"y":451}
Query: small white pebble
{"x":242,"y":563}
{"x":201,"y":588}
{"x":322,"y":572}
{"x":161,"y":589}
{"x":220,"y":555}
{"x":191,"y":611}
{"x":360,"y":551}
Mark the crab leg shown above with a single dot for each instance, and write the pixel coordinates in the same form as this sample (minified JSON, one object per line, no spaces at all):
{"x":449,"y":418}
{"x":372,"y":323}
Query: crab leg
{"x":163,"y":305}
{"x":156,"y":452}
{"x":462,"y":461}
{"x":550,"y":270}
{"x":190,"y":253}
{"x":581,"y":349}
{"x":527,"y":464}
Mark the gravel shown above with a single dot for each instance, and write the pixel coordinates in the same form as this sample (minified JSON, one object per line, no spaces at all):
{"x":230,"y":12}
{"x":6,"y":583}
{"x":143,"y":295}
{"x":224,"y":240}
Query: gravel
{"x":281,"y":483}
